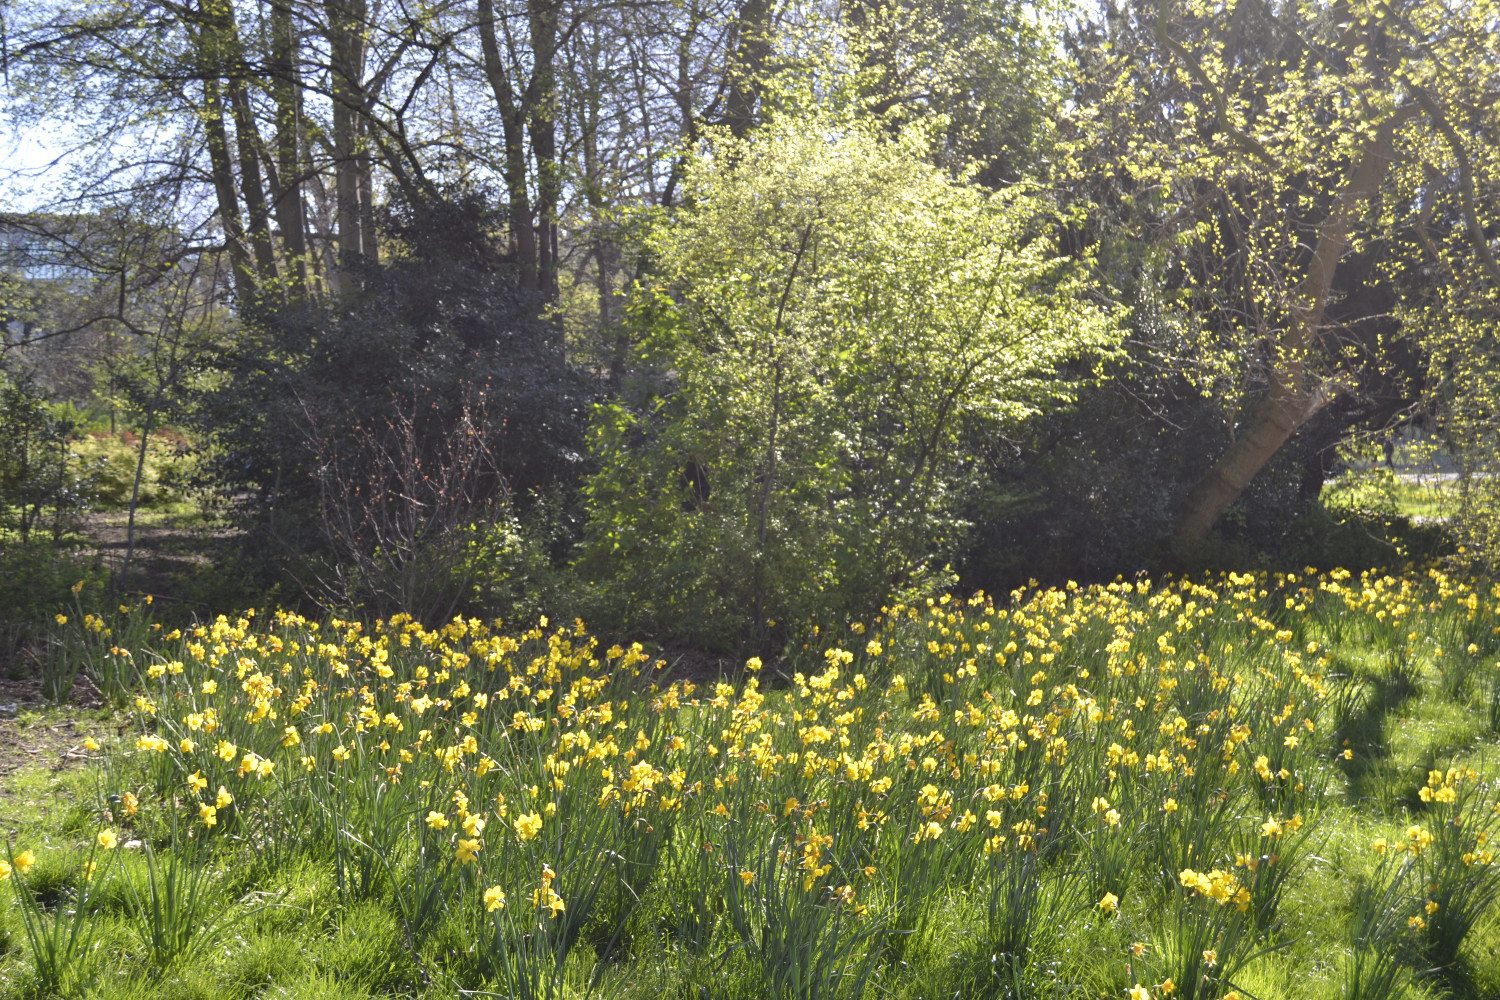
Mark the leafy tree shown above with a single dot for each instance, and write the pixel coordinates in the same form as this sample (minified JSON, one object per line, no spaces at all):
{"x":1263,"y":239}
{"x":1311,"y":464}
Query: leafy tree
{"x":1449,"y":255}
{"x":831,"y":316}
{"x":990,"y":70}
{"x":41,"y":487}
{"x":1276,"y":157}
{"x":1456,"y":323}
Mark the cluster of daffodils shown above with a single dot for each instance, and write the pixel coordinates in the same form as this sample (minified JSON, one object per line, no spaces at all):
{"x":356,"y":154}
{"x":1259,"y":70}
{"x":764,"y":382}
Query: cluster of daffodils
{"x":1180,"y":731}
{"x":1220,"y":886}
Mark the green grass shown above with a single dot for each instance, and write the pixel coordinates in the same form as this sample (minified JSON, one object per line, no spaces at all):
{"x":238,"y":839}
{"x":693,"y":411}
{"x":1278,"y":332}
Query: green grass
{"x":1383,"y":493}
{"x":316,"y":876}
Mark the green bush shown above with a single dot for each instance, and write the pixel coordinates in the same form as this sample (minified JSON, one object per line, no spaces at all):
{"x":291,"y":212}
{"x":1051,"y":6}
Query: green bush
{"x":40,"y":486}
{"x":512,"y":573}
{"x":835,"y":320}
{"x":111,"y":460}
{"x":35,"y":581}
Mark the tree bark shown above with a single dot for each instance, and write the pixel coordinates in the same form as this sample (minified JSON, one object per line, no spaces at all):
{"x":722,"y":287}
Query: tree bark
{"x":286,"y":91}
{"x":752,"y":51}
{"x":369,"y":244}
{"x":541,"y":100}
{"x":1298,"y":391}
{"x":346,"y":49}
{"x":512,"y":124}
{"x":245,"y":287}
{"x":135,"y":489}
{"x":247,"y":141}
{"x":603,"y":249}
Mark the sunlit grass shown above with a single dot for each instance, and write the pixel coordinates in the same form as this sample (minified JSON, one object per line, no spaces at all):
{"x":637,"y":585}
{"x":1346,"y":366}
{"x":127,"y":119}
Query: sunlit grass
{"x":1421,"y":498}
{"x":1176,"y":789}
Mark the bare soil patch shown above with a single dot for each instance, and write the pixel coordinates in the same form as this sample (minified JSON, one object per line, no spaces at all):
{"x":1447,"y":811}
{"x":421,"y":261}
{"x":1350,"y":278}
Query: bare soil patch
{"x":55,"y":743}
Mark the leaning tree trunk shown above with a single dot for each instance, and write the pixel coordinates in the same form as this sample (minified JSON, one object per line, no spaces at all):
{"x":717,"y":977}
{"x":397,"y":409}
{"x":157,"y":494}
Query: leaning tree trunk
{"x":1298,"y":390}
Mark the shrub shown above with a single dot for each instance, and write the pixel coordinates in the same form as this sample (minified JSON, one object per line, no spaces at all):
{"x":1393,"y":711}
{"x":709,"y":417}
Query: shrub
{"x":39,"y":486}
{"x":834,"y":319}
{"x":321,"y":410}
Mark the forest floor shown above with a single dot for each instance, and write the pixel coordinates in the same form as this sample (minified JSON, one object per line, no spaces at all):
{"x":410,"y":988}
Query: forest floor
{"x":169,"y":547}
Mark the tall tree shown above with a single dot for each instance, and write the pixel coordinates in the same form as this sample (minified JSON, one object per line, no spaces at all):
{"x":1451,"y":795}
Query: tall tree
{"x":1269,"y":143}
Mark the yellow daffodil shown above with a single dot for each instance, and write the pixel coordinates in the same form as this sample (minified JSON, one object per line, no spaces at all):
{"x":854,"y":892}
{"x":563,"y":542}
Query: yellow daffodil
{"x":528,"y":825}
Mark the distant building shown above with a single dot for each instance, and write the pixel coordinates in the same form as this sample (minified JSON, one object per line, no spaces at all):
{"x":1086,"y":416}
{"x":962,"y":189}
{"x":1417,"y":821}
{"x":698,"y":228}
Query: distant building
{"x":77,"y":272}
{"x":43,"y":248}
{"x":45,"y":258}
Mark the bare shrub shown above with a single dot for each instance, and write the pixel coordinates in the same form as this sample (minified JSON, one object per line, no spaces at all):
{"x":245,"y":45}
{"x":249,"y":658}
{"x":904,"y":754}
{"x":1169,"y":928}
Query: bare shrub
{"x":400,"y":500}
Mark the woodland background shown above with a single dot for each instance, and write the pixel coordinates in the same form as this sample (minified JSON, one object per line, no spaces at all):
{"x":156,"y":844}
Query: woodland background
{"x":723,"y":322}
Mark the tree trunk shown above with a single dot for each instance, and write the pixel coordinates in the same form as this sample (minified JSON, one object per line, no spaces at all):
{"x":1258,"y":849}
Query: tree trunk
{"x":222,"y":168}
{"x":286,"y":91}
{"x":752,"y":50}
{"x":247,"y":142}
{"x":346,"y":49}
{"x":1297,"y":391}
{"x":603,"y":250}
{"x":683,"y":94}
{"x":369,"y":245}
{"x":541,"y":99}
{"x":512,"y":124}
{"x":135,"y":490}
{"x":346,"y":194}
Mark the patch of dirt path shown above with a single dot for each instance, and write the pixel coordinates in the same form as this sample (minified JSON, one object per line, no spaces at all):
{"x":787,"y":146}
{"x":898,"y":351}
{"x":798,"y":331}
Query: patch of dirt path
{"x":167,"y":547}
{"x":56,"y":743}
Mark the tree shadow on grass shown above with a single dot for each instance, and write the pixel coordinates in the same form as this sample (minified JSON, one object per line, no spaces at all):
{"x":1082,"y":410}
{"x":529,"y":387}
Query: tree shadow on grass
{"x":1362,"y":706}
